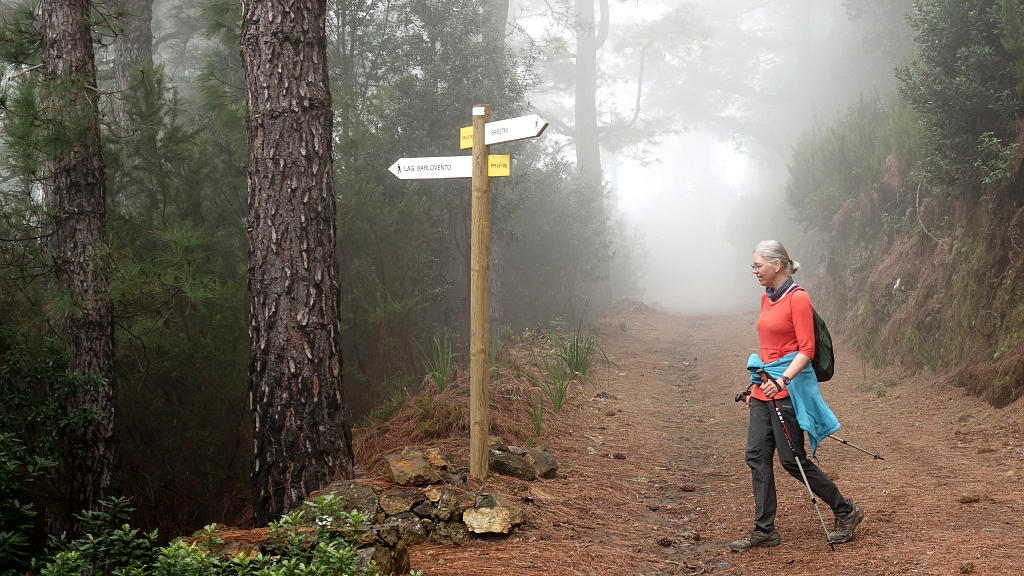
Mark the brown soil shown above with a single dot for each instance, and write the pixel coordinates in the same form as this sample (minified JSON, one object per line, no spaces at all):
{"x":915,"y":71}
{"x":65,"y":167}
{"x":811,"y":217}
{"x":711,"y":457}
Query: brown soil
{"x":652,"y":479}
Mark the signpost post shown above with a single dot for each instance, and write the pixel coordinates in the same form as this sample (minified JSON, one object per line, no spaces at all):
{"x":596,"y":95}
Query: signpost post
{"x":480,"y":255}
{"x":481,"y":166}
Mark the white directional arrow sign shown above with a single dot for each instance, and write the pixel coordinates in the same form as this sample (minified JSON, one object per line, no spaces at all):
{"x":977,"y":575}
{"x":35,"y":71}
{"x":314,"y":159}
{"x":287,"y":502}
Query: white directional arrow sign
{"x":509,"y":130}
{"x":447,"y":167}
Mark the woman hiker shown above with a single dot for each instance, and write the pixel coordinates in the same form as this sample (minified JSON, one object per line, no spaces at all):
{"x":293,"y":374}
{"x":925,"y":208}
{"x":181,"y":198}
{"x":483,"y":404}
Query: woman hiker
{"x":785,"y":331}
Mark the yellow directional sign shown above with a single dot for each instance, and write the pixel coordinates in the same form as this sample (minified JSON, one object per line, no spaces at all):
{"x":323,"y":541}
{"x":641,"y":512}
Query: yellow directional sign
{"x":499,"y":165}
{"x":465,"y":137}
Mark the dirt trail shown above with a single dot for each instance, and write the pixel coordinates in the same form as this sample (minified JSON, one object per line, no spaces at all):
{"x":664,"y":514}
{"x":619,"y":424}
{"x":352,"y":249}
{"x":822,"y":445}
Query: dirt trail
{"x":653,"y":481}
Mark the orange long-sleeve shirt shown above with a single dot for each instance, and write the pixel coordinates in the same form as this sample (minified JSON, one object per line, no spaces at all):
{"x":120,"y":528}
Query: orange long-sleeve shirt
{"x":784,"y":326}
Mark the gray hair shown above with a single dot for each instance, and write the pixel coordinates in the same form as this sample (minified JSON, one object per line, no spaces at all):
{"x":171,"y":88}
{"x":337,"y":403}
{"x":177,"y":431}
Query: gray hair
{"x":772,"y":250}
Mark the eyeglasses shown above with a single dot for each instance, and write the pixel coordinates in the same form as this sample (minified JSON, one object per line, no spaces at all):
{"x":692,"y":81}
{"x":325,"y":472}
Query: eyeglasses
{"x":757,"y":267}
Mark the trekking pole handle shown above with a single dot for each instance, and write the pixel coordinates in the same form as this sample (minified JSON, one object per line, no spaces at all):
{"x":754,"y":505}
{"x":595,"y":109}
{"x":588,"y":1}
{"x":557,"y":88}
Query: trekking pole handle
{"x":741,"y":395}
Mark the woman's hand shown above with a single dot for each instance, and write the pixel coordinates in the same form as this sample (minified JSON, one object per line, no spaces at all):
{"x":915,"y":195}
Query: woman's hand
{"x":770,"y":388}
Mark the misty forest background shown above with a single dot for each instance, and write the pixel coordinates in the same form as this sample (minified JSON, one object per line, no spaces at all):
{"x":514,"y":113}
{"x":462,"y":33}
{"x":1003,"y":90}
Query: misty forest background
{"x":881,"y":140}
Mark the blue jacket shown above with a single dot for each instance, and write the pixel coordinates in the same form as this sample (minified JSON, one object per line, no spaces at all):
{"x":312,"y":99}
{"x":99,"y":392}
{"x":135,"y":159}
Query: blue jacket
{"x":812,"y":413}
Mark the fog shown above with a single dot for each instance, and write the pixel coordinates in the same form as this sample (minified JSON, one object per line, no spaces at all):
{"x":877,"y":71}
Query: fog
{"x":708,"y":190}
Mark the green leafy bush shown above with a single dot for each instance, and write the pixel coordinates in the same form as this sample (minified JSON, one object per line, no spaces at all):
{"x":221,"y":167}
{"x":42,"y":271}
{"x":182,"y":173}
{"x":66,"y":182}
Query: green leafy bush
{"x":35,"y":384}
{"x":964,"y":81}
{"x":310,"y":542}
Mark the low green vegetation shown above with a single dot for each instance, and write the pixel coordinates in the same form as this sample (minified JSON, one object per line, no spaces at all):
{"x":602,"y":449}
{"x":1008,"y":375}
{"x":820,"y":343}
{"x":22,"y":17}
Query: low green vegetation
{"x":567,"y":357}
{"x":879,"y":389}
{"x":914,"y":202}
{"x":438,"y":360}
{"x":313,"y":542}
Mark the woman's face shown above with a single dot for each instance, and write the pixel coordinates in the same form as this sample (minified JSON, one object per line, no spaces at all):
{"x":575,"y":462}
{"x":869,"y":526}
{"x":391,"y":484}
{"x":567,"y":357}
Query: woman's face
{"x":768,"y":273}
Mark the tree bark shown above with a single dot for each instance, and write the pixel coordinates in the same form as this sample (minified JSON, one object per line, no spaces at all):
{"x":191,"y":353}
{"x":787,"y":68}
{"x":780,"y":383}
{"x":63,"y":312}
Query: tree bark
{"x":133,"y":51}
{"x":295,"y":358}
{"x":75,"y":193}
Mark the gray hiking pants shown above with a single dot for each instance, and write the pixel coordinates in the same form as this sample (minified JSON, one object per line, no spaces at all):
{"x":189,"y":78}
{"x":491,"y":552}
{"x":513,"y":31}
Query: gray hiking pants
{"x":764,"y":436}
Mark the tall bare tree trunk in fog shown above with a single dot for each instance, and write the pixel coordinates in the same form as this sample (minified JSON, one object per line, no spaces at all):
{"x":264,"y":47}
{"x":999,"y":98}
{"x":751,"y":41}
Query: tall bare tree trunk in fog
{"x":495,"y":22}
{"x":133,"y":50}
{"x":301,"y":438}
{"x":75,"y":192}
{"x":589,"y":39}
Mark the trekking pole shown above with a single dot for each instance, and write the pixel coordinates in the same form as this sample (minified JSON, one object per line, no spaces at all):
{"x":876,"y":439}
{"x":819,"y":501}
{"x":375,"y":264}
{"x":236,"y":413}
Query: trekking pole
{"x":841,"y":441}
{"x":789,"y":440}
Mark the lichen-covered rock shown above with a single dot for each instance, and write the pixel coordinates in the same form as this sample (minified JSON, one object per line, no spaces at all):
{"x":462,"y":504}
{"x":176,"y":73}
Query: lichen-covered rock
{"x":388,"y":560}
{"x":425,"y":509}
{"x":449,"y":533}
{"x":410,"y":527}
{"x":397,"y":501}
{"x":448,"y":505}
{"x":354,"y":496}
{"x":497,"y":518}
{"x":411,"y":468}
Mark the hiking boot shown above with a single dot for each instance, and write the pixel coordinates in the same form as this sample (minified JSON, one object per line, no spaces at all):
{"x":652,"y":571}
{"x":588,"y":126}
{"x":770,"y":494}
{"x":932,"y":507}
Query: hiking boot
{"x":756,"y":539}
{"x":845,"y":524}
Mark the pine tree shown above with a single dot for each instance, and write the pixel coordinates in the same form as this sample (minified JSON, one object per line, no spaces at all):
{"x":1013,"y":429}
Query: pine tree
{"x":295,"y":358}
{"x":74,"y":189}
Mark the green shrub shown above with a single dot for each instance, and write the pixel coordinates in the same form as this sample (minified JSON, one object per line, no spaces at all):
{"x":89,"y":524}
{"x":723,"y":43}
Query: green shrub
{"x":19,"y":470}
{"x":35,"y":384}
{"x":311,"y":542}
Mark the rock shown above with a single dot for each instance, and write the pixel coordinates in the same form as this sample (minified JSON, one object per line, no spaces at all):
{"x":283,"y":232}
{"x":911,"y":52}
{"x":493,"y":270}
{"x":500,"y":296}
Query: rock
{"x":517,"y":450}
{"x":466,"y":500}
{"x":410,"y":528}
{"x":387,"y":533}
{"x":543,"y":462}
{"x":448,"y":505}
{"x":454,"y":477}
{"x":412,"y":468}
{"x":388,"y":560}
{"x":437,"y":459}
{"x":354,"y":496}
{"x":497,"y":519}
{"x":508,"y":464}
{"x":425,"y":509}
{"x":235,"y":548}
{"x":398,"y":501}
{"x":449,"y":533}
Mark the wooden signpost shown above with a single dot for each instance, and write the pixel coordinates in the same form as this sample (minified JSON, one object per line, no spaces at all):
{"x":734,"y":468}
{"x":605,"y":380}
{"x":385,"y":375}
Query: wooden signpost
{"x":481,"y":166}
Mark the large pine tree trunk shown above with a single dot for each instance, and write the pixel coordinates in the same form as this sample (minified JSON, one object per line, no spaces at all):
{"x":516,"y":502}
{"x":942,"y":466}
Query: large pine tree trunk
{"x":295,"y":356}
{"x":73,"y":181}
